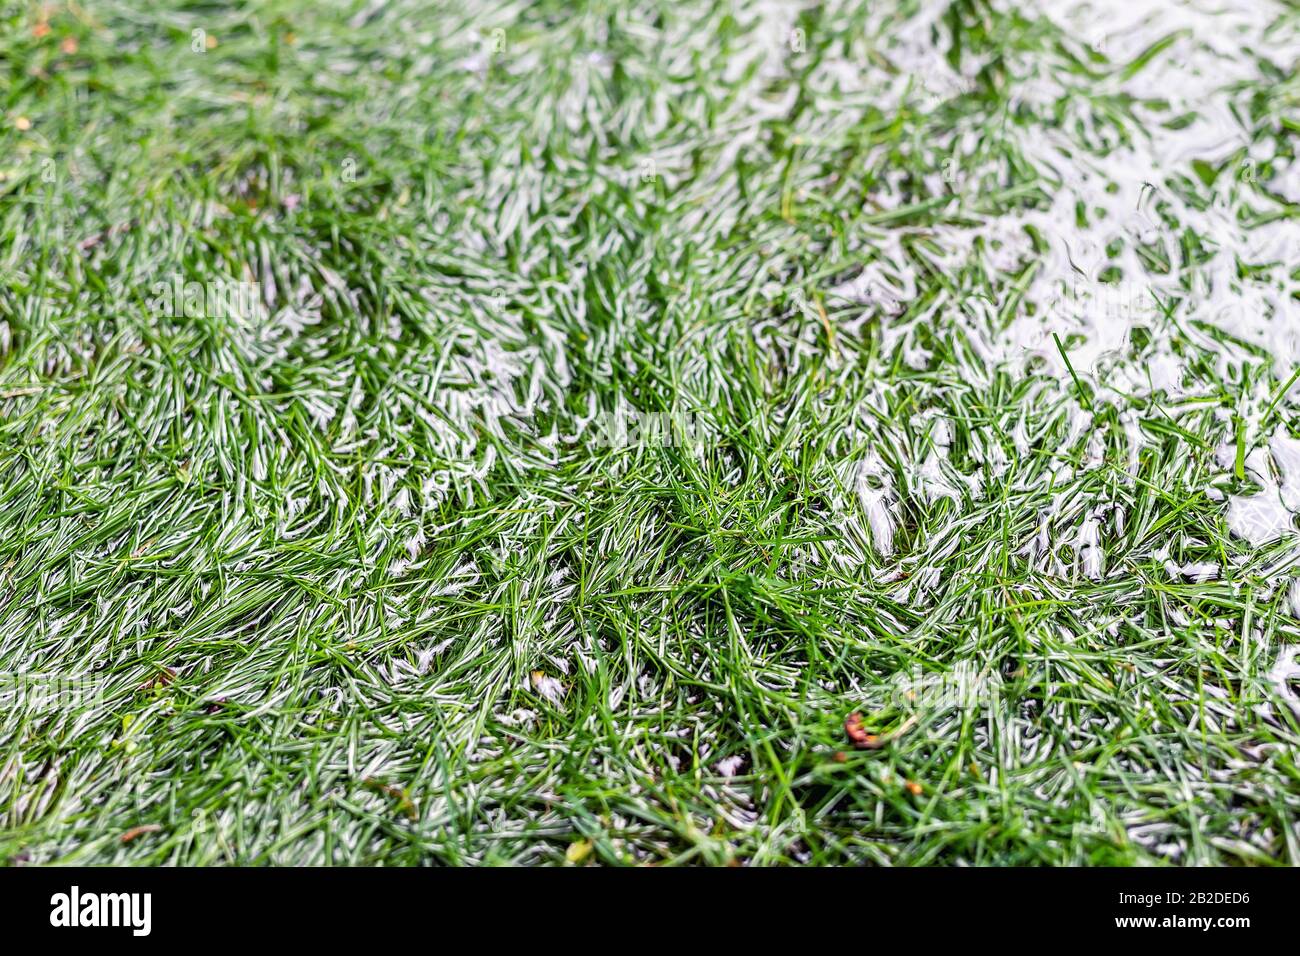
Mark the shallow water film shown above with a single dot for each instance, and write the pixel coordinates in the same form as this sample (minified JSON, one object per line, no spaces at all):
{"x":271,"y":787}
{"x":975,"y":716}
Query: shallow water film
{"x":664,"y":432}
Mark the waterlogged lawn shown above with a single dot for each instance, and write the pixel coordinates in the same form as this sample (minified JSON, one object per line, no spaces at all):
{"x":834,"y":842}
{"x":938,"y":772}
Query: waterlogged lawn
{"x":658,"y":432}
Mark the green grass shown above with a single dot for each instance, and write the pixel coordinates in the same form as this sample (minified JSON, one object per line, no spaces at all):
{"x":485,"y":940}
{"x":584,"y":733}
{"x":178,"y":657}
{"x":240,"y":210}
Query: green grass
{"x":365,"y":576}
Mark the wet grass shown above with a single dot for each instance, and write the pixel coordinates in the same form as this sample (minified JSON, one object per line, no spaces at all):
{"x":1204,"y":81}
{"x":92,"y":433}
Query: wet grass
{"x":364,"y":574}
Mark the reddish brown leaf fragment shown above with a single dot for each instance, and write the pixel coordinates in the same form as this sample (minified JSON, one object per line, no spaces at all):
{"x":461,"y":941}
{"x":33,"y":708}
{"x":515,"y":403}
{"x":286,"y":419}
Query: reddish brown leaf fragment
{"x":134,"y":832}
{"x":861,"y":739}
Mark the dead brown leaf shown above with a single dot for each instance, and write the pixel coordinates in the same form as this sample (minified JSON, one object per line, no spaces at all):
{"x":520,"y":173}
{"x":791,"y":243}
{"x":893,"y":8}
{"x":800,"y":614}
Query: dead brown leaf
{"x":404,"y":802}
{"x":160,"y":680}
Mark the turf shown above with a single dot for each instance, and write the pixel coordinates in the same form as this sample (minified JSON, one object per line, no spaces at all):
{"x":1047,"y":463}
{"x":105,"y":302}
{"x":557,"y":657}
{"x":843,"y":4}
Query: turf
{"x":628,"y":394}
